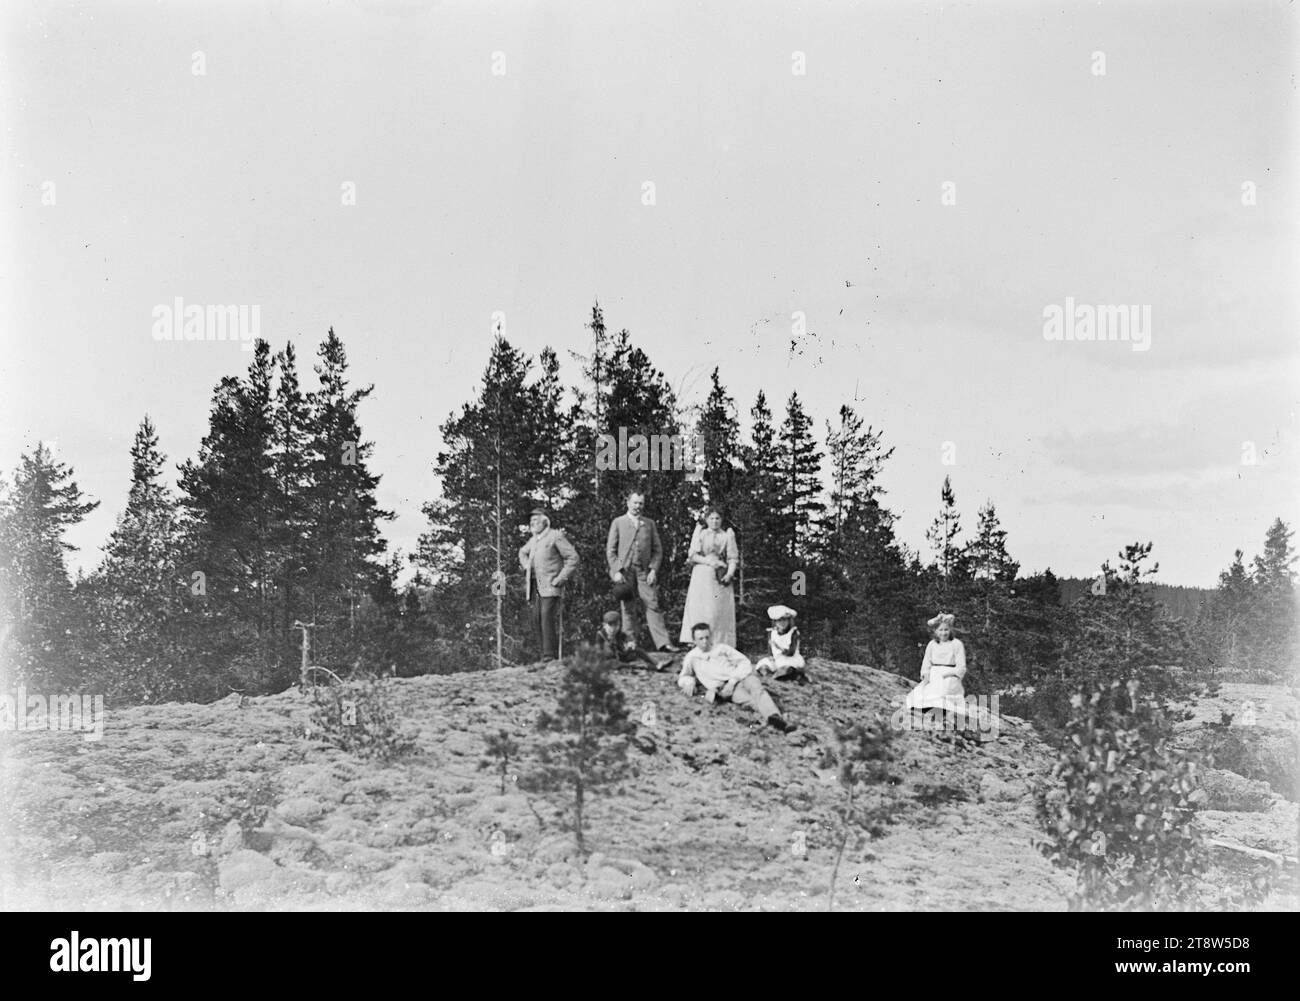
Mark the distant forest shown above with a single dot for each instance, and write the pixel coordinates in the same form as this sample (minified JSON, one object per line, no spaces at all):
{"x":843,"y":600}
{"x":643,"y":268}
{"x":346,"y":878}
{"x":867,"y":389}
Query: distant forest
{"x":1181,"y":602}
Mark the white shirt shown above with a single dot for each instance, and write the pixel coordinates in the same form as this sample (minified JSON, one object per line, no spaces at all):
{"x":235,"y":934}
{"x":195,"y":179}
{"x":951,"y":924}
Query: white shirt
{"x":714,"y":669}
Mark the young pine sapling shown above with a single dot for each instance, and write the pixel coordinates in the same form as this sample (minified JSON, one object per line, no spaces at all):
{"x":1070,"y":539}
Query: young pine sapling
{"x":584,"y":741}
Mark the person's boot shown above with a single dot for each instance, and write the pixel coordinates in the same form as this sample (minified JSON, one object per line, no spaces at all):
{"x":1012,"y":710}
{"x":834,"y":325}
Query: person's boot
{"x":779,"y":723}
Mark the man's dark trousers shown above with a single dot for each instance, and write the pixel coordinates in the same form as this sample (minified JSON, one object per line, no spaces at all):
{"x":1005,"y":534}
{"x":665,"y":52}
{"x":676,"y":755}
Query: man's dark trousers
{"x":546,"y":616}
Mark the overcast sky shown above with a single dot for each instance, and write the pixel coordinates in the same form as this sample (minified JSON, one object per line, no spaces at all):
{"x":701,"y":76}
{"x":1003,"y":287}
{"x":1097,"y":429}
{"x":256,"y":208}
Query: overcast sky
{"x":775,"y":192}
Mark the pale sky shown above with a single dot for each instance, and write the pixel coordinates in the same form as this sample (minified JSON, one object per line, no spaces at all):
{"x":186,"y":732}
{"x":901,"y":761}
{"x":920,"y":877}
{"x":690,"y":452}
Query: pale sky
{"x":775,"y":193}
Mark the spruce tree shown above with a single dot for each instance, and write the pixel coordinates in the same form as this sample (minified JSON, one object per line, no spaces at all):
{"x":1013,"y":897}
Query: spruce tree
{"x":641,"y":402}
{"x":553,"y":437}
{"x":1125,"y":634}
{"x":346,"y":546}
{"x":871,"y":601}
{"x":800,"y":490}
{"x":294,"y":527}
{"x":231,"y":501}
{"x":764,"y":559}
{"x":1230,"y":625}
{"x":36,"y":597}
{"x":1273,"y":583}
{"x":135,"y":595}
{"x":719,"y":431}
{"x":487,"y":473}
{"x":986,"y":556}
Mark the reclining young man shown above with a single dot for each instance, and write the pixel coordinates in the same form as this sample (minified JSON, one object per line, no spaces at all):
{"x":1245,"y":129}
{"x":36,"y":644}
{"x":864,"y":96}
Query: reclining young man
{"x":727,"y":673}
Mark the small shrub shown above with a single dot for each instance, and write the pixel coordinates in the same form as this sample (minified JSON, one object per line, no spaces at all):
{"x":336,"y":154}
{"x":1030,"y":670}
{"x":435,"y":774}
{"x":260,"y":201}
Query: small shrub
{"x":250,"y":804}
{"x":355,"y":716}
{"x":501,"y":750}
{"x":1253,"y":753}
{"x":1125,"y":822}
{"x":863,"y":756}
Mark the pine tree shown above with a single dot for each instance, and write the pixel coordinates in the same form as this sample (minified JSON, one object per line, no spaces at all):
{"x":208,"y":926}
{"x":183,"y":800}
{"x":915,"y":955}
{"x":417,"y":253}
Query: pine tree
{"x":800,"y":465}
{"x":998,"y":622}
{"x":1231,"y":621}
{"x":487,"y":473}
{"x":36,"y":598}
{"x":231,"y":499}
{"x":639,"y":401}
{"x":720,"y":433}
{"x":856,"y":457}
{"x":553,"y":437}
{"x":764,"y":573}
{"x":134,"y":596}
{"x":1273,"y":583}
{"x":294,"y":527}
{"x":870,"y":596}
{"x":584,"y":746}
{"x":590,"y":418}
{"x":346,"y":546}
{"x":986,"y":555}
{"x":1125,"y":634}
{"x":942,"y":534}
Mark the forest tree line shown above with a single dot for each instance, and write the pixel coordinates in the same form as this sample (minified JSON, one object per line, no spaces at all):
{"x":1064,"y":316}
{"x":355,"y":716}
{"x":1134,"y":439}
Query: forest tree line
{"x":275,"y":521}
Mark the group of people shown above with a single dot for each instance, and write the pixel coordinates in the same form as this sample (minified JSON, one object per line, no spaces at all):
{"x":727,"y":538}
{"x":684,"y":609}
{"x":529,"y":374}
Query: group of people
{"x":634,"y":554}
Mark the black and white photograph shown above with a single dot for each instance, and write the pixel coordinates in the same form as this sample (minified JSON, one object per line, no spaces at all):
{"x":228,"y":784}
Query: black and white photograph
{"x":680,"y":457}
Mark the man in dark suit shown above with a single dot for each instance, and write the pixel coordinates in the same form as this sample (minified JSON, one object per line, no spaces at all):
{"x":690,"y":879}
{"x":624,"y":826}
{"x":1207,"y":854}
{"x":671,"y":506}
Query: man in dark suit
{"x":548,"y":560}
{"x":633,"y":553}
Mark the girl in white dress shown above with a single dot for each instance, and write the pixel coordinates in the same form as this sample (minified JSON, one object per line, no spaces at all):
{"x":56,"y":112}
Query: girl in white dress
{"x":942,"y":668}
{"x":714,"y":558}
{"x":784,"y":660}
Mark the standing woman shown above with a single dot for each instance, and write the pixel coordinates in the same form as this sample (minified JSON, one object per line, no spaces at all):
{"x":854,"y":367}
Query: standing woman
{"x":713,"y":557}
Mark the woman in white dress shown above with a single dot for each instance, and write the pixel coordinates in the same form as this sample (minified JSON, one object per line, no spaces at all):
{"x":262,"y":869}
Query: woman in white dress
{"x":714,"y":557}
{"x":942,"y":668}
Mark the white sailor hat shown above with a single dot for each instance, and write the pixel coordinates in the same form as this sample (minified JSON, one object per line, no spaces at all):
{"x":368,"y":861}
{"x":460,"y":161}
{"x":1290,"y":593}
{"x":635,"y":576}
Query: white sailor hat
{"x":781,"y":612}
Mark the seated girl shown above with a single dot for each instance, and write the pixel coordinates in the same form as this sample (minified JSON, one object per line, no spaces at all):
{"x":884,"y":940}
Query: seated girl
{"x":784,"y":661}
{"x":942,"y":668}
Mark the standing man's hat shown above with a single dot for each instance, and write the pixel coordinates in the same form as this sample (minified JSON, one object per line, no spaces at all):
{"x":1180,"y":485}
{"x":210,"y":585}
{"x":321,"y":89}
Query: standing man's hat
{"x":612,"y":618}
{"x":541,"y":511}
{"x":623,"y":590}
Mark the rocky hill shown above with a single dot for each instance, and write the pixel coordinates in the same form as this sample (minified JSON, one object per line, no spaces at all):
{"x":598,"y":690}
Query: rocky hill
{"x":230,"y":805}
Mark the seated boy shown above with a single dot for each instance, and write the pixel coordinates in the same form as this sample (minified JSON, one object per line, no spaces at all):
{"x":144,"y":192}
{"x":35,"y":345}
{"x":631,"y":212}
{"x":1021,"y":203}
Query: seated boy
{"x":613,"y":641}
{"x":784,"y":661}
{"x":726,"y":673}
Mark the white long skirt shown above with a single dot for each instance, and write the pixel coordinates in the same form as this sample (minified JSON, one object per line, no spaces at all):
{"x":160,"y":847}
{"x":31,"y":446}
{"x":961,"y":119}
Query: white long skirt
{"x":711,"y":602}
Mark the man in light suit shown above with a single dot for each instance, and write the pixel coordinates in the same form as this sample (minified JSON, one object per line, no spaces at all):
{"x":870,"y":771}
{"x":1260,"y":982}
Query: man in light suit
{"x":633,"y":552}
{"x":548,"y":560}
